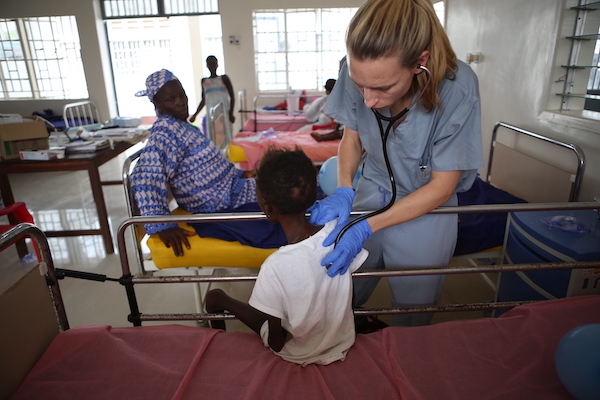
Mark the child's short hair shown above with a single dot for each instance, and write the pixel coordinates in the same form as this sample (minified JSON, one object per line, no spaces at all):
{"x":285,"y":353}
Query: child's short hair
{"x":287,"y":179}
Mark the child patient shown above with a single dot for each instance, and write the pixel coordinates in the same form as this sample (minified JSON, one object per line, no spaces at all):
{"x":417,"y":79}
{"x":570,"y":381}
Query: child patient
{"x":302,"y":314}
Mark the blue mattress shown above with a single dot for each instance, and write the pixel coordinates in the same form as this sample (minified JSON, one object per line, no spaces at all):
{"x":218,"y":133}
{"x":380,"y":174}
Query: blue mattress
{"x":58,"y":121}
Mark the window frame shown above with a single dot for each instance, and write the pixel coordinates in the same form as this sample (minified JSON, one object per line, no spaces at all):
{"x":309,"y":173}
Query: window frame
{"x":564,"y":106}
{"x":287,"y":79}
{"x":117,"y":9}
{"x":50,"y":65}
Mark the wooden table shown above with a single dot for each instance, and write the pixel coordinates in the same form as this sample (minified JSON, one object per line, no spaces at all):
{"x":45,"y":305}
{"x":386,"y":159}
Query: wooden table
{"x":89,"y":162}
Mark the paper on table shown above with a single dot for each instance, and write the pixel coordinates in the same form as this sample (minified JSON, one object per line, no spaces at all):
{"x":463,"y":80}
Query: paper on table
{"x":119,"y":134}
{"x":86,"y":146}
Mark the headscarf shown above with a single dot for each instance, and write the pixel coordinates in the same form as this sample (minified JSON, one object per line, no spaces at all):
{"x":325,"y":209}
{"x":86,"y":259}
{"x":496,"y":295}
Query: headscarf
{"x":155,"y":81}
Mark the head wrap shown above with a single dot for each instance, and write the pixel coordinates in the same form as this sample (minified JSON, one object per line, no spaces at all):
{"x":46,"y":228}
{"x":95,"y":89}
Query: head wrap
{"x":155,"y":81}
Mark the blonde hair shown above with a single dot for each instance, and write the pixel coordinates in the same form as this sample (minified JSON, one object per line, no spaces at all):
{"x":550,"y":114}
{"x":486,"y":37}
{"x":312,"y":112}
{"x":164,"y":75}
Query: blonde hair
{"x":404,"y":28}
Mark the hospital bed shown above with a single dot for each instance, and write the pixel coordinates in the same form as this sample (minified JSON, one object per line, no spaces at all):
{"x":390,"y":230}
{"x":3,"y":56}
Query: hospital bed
{"x":258,"y":119}
{"x":247,"y":148}
{"x":520,"y":169}
{"x":278,"y":128}
{"x":480,"y":236}
{"x":488,"y":358}
{"x":80,"y":113}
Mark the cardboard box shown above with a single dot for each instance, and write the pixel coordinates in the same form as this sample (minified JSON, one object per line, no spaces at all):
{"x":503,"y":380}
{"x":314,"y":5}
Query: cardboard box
{"x":24,"y":136}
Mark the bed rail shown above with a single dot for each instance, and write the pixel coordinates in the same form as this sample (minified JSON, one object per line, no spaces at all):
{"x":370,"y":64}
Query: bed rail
{"x":136,"y":317}
{"x":138,"y":231}
{"x":254,"y":111}
{"x":45,"y":264}
{"x":243,"y":104}
{"x":576,"y":182}
{"x":80,"y":113}
{"x":220,"y":136}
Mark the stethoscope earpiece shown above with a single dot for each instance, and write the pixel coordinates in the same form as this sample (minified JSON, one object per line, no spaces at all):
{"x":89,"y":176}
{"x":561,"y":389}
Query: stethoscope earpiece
{"x":424,"y":69}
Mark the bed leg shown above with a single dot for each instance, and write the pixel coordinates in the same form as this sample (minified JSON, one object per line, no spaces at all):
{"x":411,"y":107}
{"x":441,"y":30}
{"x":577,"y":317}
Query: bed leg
{"x":200,"y":296}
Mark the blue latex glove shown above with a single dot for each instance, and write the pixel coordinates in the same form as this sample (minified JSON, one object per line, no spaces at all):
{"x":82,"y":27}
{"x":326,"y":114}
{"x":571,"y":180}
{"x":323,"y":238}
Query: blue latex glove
{"x":347,"y":248}
{"x":338,"y":205}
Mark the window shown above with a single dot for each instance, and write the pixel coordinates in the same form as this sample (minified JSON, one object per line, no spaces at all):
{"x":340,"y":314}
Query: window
{"x":147,"y":35}
{"x":140,"y":46}
{"x":299,"y":48}
{"x":439,"y":8}
{"x":593,"y":86}
{"x":40,"y":58}
{"x":581,"y":80}
{"x":157,"y":8}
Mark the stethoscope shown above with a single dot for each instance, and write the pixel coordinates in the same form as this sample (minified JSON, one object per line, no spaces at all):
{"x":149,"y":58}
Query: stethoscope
{"x":384,"y":135}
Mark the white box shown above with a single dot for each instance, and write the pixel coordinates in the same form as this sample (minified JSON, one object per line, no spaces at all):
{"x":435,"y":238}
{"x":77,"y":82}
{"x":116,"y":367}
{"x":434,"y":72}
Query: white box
{"x":127,"y":122}
{"x":52,"y":154}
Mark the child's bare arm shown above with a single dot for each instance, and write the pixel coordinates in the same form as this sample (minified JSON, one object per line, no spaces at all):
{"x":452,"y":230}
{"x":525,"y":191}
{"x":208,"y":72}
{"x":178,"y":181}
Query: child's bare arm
{"x":218,"y":301}
{"x":277,"y":335}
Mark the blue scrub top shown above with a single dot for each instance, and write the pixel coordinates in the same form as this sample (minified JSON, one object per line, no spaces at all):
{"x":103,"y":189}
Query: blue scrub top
{"x":453,"y":130}
{"x":454,"y":133}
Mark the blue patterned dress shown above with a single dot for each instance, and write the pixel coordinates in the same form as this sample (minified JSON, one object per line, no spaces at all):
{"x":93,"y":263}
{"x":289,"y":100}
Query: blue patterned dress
{"x":179,"y":158}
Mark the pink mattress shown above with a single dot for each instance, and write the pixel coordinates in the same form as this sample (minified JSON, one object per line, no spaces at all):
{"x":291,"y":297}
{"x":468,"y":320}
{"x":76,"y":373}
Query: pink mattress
{"x":511,"y":357}
{"x":318,"y":152}
{"x":279,"y":121}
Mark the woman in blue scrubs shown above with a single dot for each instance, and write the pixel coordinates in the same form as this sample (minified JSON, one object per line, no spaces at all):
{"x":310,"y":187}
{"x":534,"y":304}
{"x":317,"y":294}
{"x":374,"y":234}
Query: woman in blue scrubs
{"x":398,"y":53}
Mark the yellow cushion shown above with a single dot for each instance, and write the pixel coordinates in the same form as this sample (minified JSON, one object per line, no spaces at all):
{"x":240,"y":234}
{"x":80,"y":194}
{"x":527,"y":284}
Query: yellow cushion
{"x":236,"y":153}
{"x":206,"y":252}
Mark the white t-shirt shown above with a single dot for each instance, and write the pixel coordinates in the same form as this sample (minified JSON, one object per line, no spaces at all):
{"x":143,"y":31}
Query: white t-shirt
{"x":313,"y":112}
{"x":315,"y":309}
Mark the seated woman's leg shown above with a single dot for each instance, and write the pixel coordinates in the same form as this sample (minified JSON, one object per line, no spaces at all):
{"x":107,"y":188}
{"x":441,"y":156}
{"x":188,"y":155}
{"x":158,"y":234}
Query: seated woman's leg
{"x":261,"y":233}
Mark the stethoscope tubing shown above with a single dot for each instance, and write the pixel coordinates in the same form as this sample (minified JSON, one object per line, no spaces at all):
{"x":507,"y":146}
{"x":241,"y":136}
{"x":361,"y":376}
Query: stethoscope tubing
{"x":384,"y":136}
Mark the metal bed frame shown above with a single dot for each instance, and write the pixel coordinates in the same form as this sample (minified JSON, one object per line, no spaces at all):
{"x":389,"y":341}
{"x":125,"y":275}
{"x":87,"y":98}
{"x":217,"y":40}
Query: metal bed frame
{"x":80,"y":113}
{"x":243,"y":111}
{"x":215,"y":117}
{"x":578,"y":176}
{"x":475,"y":267}
{"x":45,"y":264}
{"x":136,"y":317}
{"x":129,"y":281}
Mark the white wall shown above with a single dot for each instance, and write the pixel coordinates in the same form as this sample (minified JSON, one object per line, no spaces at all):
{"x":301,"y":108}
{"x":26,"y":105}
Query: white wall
{"x":517,"y":39}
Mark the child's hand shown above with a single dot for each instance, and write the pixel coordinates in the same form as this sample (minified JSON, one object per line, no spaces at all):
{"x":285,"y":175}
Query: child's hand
{"x":249,"y":174}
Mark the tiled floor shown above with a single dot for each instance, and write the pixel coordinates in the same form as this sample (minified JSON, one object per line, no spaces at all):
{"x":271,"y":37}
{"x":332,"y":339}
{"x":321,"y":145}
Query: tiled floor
{"x":65,"y":199}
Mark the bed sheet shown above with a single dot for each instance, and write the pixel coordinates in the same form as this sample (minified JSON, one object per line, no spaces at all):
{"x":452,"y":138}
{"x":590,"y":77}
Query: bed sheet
{"x":511,"y":357}
{"x":279,"y":121}
{"x":482,"y":231}
{"x":255,"y":145}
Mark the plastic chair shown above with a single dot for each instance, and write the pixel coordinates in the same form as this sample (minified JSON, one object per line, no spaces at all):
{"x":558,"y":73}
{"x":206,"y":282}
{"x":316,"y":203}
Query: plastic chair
{"x":20,"y":212}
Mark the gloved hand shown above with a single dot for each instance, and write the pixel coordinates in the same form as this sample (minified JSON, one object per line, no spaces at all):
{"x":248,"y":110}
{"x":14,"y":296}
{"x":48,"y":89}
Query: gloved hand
{"x":347,"y":248}
{"x":338,"y":205}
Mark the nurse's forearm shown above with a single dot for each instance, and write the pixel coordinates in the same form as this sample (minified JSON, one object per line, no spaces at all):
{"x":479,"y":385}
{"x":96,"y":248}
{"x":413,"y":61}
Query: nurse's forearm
{"x":349,"y":153}
{"x":436,"y":193}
